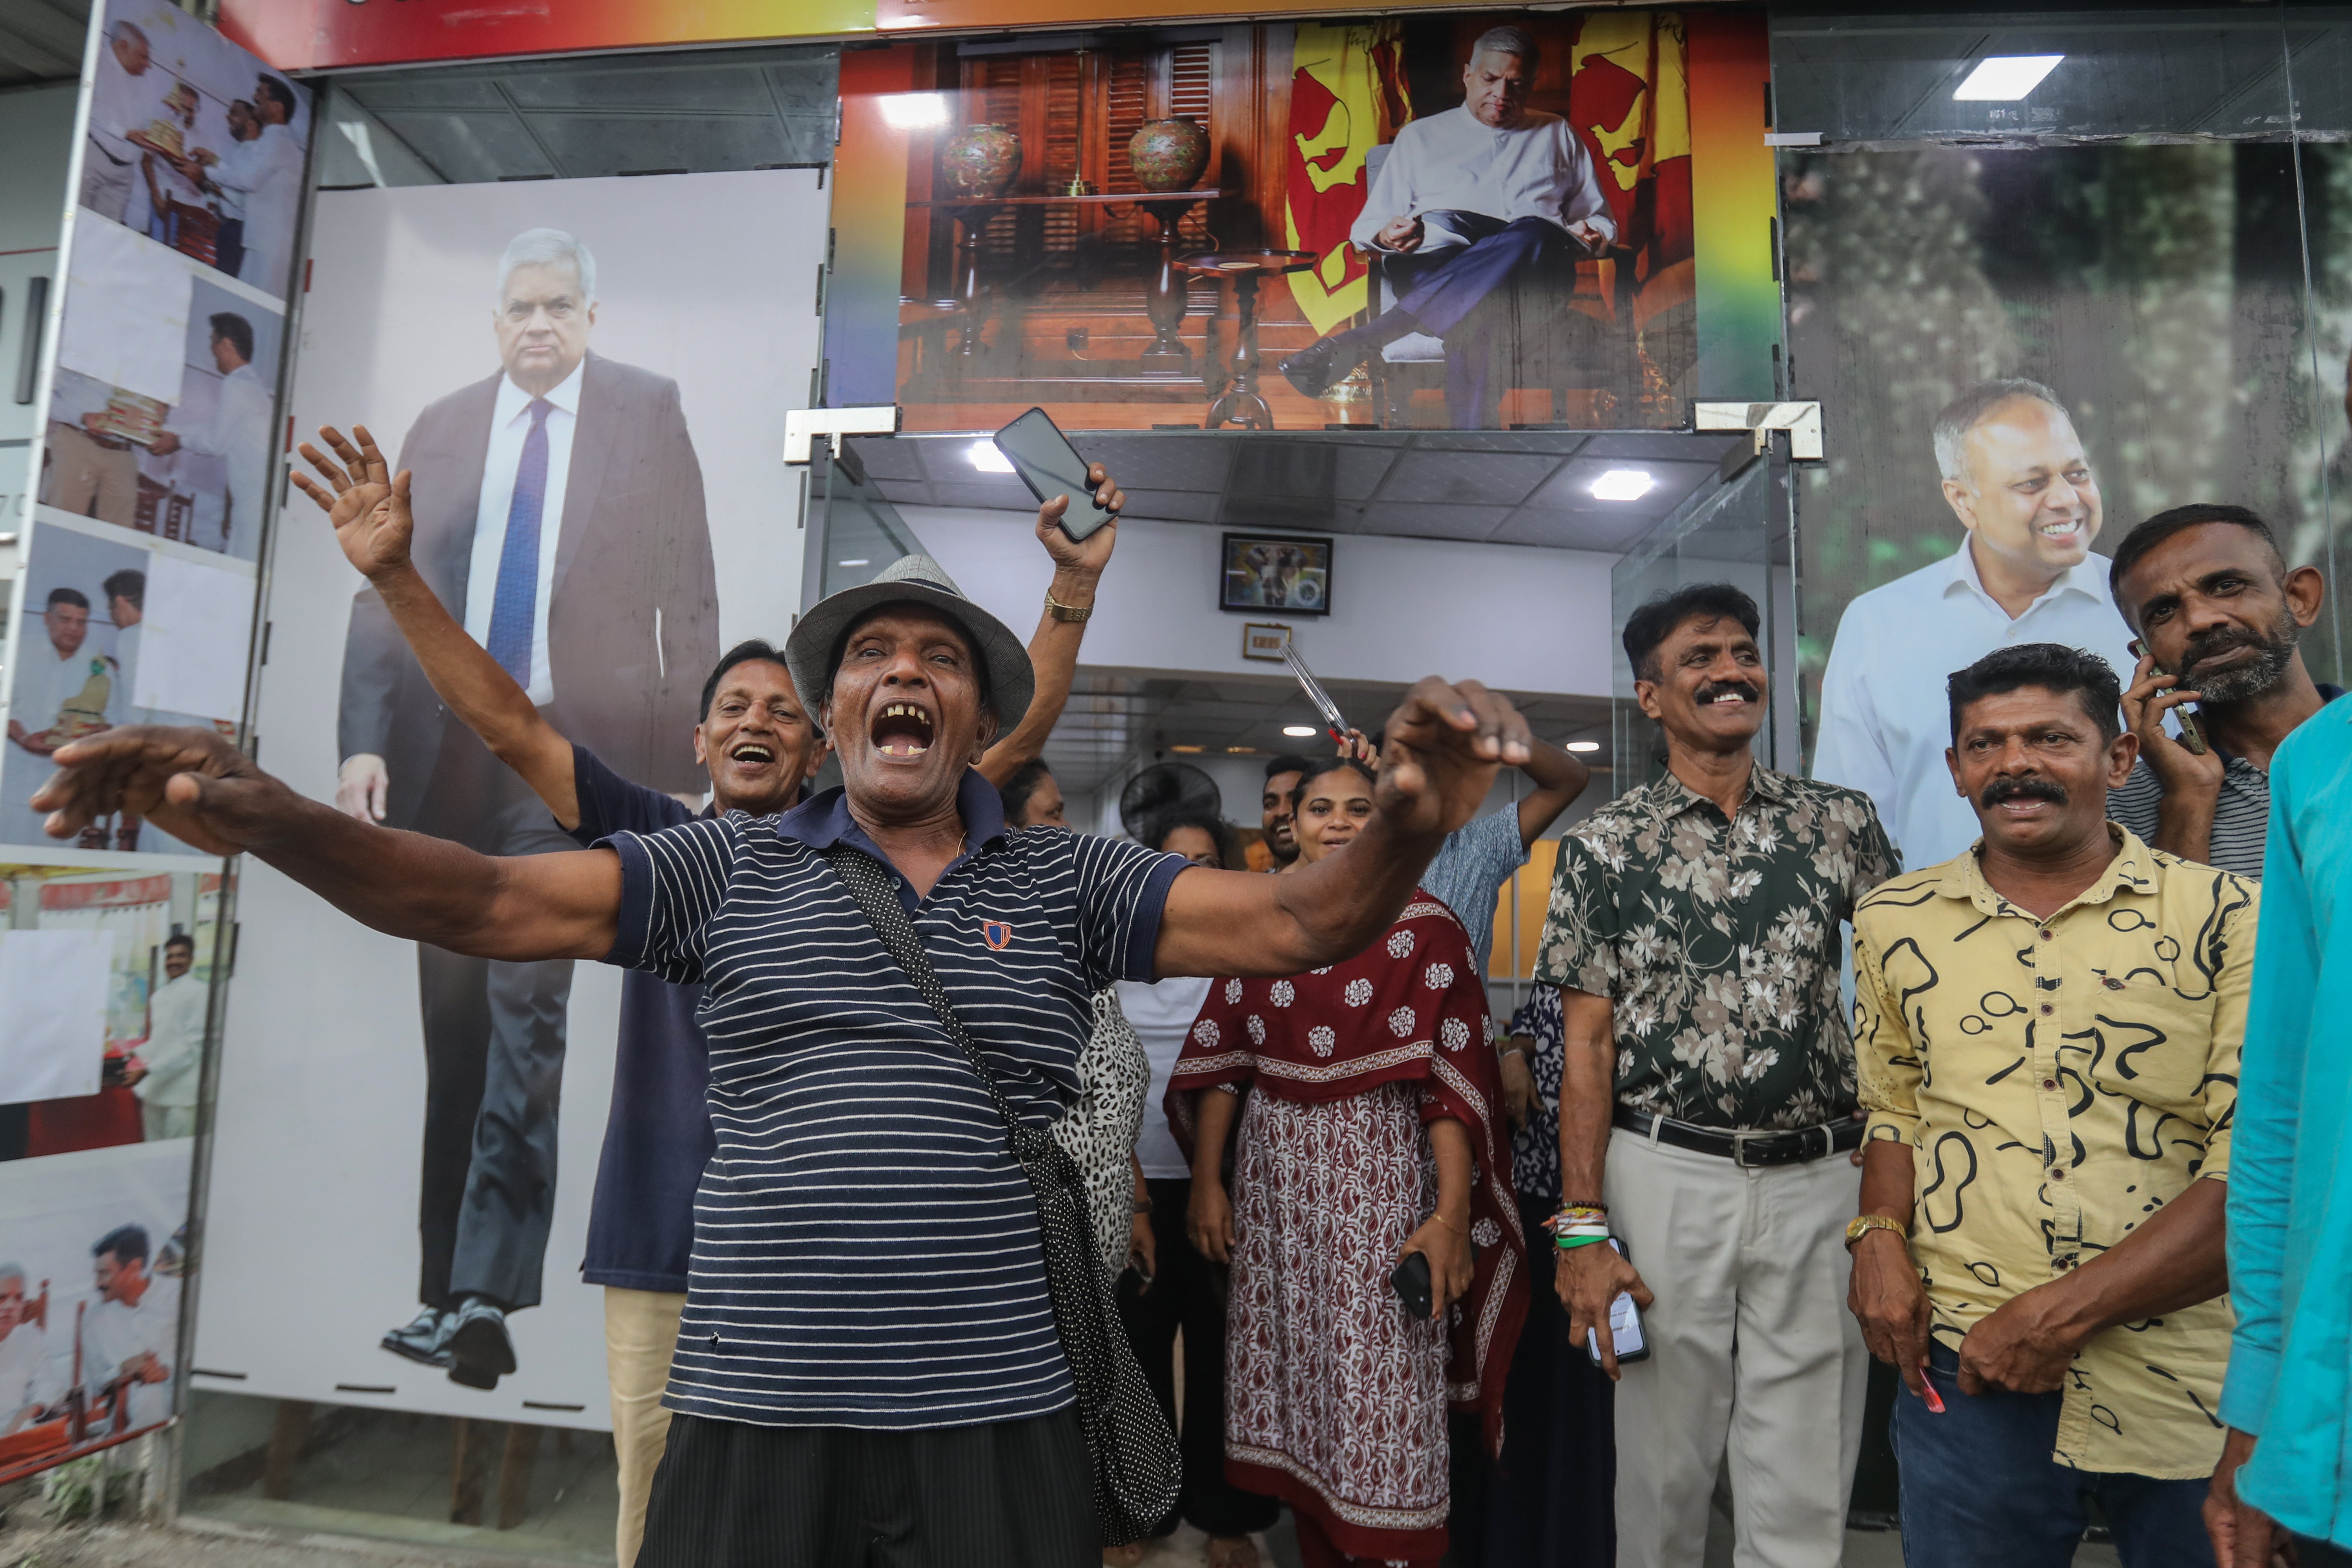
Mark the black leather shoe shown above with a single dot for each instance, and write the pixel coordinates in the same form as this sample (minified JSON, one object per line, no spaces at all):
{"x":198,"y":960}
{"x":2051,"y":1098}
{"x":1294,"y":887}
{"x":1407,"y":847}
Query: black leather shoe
{"x":1313,"y":369}
{"x":480,"y":1351}
{"x":424,"y":1339}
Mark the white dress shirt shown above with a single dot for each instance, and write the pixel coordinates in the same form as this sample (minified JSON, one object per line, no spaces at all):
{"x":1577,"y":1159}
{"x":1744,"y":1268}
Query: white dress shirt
{"x":1886,"y":717}
{"x":113,"y":1334}
{"x":1161,"y":1015}
{"x":1454,"y":161}
{"x":121,"y":103}
{"x":175,"y":1049}
{"x":27,"y":1376}
{"x":509,"y":424}
{"x":265,"y":175}
{"x":238,"y":431}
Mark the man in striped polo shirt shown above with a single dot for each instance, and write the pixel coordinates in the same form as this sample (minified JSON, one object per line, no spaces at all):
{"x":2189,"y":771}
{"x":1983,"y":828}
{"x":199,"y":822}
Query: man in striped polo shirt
{"x":867,"y":1359}
{"x":2220,"y":613}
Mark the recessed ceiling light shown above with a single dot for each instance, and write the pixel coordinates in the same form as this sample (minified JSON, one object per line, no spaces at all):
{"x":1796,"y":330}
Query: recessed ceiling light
{"x":1299,"y":732}
{"x":1622,"y":484}
{"x":988,"y":459}
{"x":1240,"y":750}
{"x":914,"y":110}
{"x":2005,"y":78}
{"x":861,"y":560}
{"x":1584,"y":745}
{"x":1187,"y":750}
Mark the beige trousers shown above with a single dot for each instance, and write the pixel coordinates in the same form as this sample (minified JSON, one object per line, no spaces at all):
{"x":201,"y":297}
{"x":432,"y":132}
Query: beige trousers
{"x":1753,"y":1356}
{"x":640,"y":1332}
{"x":90,"y":479}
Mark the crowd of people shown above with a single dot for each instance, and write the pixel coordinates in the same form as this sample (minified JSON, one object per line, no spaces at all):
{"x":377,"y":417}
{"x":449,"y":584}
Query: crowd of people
{"x":2014,"y":1167}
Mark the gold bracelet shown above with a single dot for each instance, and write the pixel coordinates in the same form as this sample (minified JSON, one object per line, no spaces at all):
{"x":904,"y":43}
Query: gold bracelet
{"x":1449,"y":1224}
{"x":1062,"y":612}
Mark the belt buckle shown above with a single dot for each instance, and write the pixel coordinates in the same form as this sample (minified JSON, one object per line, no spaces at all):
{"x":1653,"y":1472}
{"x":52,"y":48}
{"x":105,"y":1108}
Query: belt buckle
{"x":1739,"y":1149}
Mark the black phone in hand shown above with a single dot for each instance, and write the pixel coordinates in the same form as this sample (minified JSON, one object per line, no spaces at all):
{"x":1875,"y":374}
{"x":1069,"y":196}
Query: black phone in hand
{"x":1411,"y":1281}
{"x":1051,"y":466}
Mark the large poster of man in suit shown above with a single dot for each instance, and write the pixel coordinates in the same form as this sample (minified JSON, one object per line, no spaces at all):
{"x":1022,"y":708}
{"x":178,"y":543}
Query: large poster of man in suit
{"x":559,"y":502}
{"x":587,"y":382}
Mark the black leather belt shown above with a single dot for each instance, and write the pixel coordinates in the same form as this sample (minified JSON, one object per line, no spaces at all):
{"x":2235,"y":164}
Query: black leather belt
{"x":1796,"y":1146}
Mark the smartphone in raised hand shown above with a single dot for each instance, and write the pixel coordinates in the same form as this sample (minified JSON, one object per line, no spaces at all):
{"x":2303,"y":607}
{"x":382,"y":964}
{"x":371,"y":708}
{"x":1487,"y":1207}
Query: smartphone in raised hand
{"x":1051,"y":466}
{"x":1333,"y":719}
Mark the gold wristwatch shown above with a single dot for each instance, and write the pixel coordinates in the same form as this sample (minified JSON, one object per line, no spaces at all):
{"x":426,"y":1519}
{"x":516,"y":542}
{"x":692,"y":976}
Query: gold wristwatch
{"x":1062,"y":612}
{"x":1861,"y":1224}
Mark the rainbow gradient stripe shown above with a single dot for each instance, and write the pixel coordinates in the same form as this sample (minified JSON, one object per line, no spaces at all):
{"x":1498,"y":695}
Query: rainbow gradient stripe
{"x":1734,"y":199}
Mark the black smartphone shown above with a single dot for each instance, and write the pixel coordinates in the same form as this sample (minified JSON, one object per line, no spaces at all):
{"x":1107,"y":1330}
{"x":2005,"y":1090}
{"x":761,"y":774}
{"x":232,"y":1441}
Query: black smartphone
{"x":1411,"y":1282}
{"x":1624,"y":1326}
{"x":1051,"y":466}
{"x":2192,"y":733}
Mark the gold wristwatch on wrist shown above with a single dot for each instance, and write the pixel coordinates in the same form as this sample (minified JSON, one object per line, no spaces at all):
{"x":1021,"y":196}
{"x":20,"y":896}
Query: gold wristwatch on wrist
{"x":1062,"y":612}
{"x":1861,"y":1224}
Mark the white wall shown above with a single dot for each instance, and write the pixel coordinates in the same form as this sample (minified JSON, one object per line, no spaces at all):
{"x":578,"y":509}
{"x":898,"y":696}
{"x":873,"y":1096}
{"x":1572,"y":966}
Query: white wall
{"x":1517,"y":617}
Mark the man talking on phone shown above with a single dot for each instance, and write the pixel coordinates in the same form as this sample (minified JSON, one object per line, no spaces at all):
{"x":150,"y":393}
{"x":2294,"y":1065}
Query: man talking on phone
{"x":1693,"y":934}
{"x":2048,"y":1027}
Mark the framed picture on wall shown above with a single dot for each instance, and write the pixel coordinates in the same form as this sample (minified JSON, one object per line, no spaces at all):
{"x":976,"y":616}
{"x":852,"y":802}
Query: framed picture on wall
{"x":1275,"y":572}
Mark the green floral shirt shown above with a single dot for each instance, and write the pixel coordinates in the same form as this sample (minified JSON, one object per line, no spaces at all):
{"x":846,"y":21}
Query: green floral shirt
{"x":1719,"y":943}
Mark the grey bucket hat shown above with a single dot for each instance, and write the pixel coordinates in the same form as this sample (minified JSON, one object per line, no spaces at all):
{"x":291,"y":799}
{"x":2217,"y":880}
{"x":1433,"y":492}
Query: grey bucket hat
{"x":916,"y":580}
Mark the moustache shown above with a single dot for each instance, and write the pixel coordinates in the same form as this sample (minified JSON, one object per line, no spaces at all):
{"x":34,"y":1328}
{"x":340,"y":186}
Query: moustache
{"x":2028,"y":788}
{"x":1715,"y":689}
{"x":2217,"y":642}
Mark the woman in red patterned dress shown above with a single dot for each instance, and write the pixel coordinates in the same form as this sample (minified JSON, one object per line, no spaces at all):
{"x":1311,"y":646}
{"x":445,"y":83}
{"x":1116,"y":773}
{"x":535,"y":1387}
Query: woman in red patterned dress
{"x":1368,"y":1098}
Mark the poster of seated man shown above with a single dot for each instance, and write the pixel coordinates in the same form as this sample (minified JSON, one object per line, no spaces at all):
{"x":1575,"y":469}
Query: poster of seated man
{"x":1465,"y":219}
{"x":1478,"y":215}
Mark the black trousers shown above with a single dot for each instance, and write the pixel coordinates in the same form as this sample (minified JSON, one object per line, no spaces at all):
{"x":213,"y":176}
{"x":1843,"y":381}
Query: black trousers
{"x":1549,"y":1503}
{"x":494,"y":1035}
{"x":1010,"y":1494}
{"x":1188,"y":1293}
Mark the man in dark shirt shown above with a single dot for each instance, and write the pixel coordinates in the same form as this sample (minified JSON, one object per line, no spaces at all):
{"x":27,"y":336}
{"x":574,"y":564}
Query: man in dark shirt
{"x":2220,"y":613}
{"x":869,"y":1352}
{"x":759,"y":747}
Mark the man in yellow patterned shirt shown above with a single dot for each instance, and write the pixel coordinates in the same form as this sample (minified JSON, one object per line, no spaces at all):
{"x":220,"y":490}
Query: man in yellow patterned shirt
{"x":2048,"y":1030}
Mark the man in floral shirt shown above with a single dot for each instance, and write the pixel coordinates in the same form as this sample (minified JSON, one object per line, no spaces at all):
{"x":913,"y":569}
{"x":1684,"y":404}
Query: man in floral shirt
{"x":1693,"y":932}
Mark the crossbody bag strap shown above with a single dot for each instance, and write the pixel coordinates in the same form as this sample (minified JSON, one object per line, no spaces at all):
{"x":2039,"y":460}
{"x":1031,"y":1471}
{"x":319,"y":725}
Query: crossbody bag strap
{"x":870,"y":885}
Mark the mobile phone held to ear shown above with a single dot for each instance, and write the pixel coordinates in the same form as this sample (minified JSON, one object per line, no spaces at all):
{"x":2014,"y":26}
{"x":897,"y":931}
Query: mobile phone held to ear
{"x":2192,"y":733}
{"x":1625,"y":1327}
{"x":1051,"y":466}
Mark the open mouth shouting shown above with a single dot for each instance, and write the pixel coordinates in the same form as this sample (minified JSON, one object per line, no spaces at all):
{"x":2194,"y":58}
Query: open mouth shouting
{"x":902,"y":730}
{"x":752,"y":754}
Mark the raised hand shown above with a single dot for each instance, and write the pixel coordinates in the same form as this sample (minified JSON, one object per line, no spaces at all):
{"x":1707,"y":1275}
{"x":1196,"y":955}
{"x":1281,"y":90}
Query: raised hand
{"x":367,"y":504}
{"x":1441,"y":747}
{"x":1089,"y":555}
{"x":193,"y":783}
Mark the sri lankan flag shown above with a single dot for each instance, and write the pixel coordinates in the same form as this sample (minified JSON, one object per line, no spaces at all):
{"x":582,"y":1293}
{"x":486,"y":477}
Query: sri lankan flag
{"x":1347,"y":96}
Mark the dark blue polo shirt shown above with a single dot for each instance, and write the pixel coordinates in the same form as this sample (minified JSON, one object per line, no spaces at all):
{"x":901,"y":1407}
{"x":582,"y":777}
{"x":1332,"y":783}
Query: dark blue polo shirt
{"x":867,"y":1251}
{"x":657,"y":1135}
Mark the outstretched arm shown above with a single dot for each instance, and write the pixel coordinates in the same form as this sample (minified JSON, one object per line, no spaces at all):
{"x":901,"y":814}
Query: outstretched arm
{"x":369,"y":508}
{"x":1054,"y":651}
{"x":1437,"y":763}
{"x":200,"y":789}
{"x":1559,"y":780}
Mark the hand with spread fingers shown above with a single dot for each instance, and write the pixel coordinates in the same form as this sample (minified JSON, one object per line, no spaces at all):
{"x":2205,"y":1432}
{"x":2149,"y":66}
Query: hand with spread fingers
{"x":1439,"y":755}
{"x":366,"y":503}
{"x":193,"y":783}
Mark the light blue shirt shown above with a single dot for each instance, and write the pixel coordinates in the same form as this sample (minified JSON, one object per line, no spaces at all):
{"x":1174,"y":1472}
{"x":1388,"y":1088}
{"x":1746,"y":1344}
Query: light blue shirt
{"x":1470,"y":867}
{"x":2290,"y":1378}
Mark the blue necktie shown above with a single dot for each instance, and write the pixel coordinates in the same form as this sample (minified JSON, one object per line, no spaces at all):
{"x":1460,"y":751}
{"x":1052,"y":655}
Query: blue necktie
{"x":515,"y":607}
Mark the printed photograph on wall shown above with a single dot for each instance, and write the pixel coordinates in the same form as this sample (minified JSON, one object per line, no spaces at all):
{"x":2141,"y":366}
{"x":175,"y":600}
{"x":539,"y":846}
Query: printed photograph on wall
{"x":2054,"y":344}
{"x":108,"y":976}
{"x":587,"y":380}
{"x":159,"y":418}
{"x":93,"y":1258}
{"x":117,"y":634}
{"x":1472,"y":220}
{"x":196,"y":144}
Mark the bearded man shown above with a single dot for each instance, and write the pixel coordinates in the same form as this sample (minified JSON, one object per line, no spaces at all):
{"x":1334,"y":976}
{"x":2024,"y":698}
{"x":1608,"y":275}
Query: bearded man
{"x":2219,"y":611}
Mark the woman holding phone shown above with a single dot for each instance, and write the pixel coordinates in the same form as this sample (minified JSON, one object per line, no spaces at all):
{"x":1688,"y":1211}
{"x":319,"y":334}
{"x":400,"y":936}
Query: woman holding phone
{"x":1363,"y":1104}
